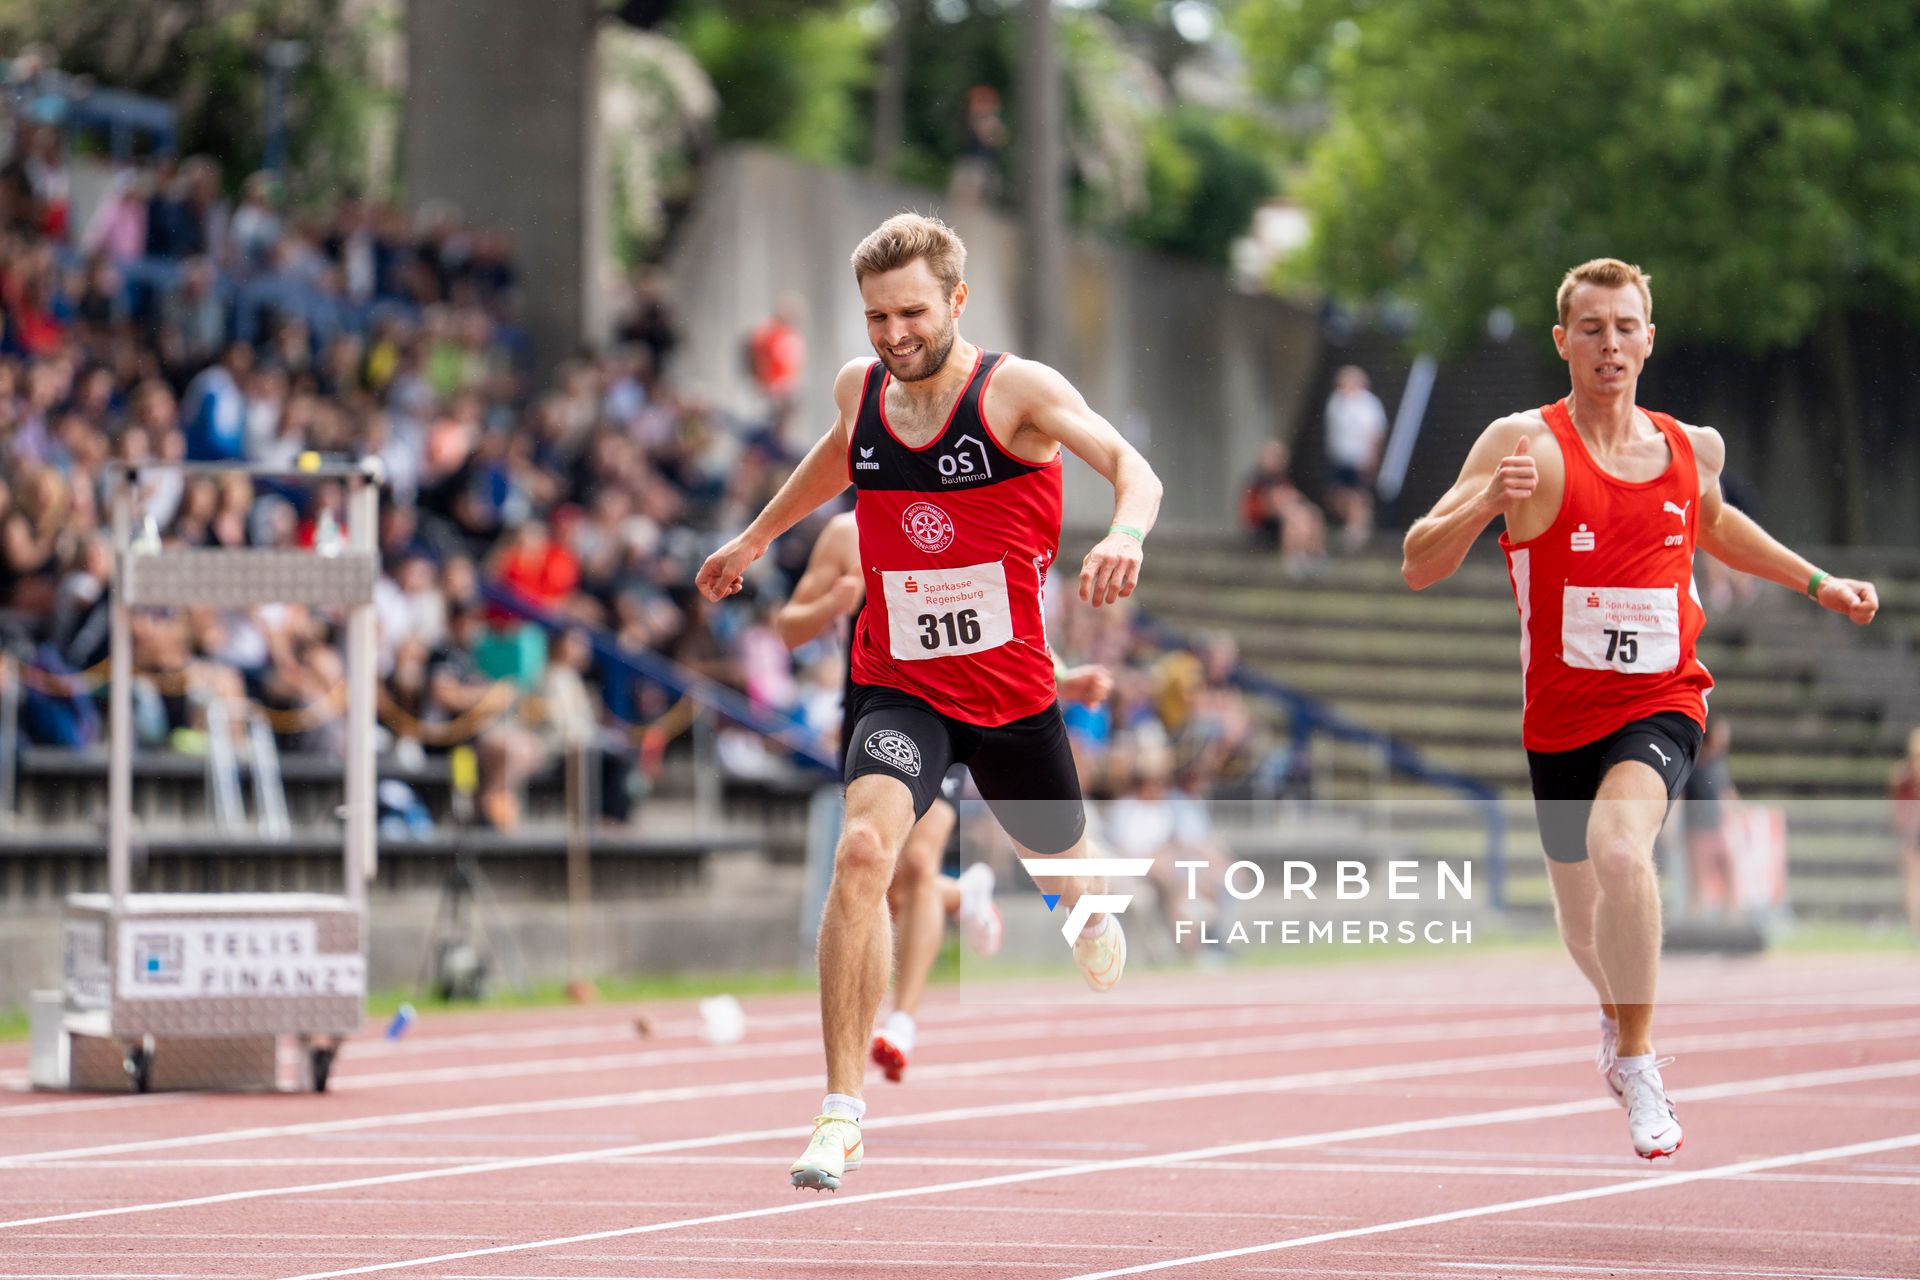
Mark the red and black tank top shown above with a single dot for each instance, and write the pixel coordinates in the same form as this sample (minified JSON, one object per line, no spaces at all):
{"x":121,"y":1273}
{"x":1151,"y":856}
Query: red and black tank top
{"x":1609,"y":615}
{"x":955,"y":540}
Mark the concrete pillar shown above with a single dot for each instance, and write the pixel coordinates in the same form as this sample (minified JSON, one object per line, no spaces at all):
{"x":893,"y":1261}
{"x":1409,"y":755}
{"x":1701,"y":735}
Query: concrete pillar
{"x":1042,"y":197}
{"x":500,"y":119}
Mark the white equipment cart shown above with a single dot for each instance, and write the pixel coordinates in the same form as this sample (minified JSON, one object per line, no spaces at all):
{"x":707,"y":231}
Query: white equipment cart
{"x":197,"y":991}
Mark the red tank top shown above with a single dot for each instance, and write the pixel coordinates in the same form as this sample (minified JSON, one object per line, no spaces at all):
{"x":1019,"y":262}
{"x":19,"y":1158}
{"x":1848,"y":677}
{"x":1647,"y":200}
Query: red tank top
{"x":955,"y":540}
{"x":1609,"y":614}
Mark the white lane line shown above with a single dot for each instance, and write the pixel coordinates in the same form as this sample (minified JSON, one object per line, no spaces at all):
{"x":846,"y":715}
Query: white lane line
{"x":96,"y":1104}
{"x":1132,"y":1023}
{"x":1738,"y":1088}
{"x":78,"y":1166}
{"x":1041,"y":1106}
{"x":1441,"y":1168}
{"x":1458,"y":1170}
{"x":810,"y":1045}
{"x":1576,"y":1269}
{"x":619,"y":1027}
{"x":1791,"y":1233}
{"x":1414,"y":1033}
{"x":1901,"y":1143}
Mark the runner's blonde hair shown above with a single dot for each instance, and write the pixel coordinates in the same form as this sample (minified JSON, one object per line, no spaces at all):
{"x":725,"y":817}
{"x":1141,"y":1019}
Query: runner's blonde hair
{"x":1609,"y":273}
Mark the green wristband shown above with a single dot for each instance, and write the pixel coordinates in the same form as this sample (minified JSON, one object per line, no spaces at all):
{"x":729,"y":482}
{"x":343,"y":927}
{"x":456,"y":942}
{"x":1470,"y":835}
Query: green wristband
{"x":1138,"y":535}
{"x":1813,"y":584}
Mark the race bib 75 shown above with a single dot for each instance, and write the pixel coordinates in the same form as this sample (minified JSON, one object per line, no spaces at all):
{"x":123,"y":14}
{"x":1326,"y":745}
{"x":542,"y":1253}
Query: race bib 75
{"x":1632,"y":630}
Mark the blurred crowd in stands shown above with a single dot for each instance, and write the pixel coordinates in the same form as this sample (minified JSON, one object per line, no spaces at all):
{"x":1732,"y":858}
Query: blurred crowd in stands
{"x":164,"y":319}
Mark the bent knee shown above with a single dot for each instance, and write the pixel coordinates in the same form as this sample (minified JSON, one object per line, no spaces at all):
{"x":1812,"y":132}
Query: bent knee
{"x":1619,"y":858}
{"x":864,"y":851}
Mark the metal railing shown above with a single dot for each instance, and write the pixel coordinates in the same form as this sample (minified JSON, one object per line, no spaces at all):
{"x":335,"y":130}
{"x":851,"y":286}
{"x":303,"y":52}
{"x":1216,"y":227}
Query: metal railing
{"x":1310,"y":716}
{"x":709,"y":695}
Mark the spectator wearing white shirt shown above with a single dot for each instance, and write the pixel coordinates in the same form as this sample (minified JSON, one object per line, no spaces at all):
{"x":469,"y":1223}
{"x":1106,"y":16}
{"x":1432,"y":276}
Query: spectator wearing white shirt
{"x":1356,"y":432}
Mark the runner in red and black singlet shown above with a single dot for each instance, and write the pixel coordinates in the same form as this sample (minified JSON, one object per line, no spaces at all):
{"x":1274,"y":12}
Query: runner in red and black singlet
{"x":955,"y":453}
{"x":920,"y":898}
{"x":1604,"y":504}
{"x":955,"y":538}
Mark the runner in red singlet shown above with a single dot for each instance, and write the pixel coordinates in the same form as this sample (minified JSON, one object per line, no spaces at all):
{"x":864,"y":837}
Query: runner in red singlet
{"x":1604,"y":504}
{"x":955,"y":453}
{"x":920,"y":898}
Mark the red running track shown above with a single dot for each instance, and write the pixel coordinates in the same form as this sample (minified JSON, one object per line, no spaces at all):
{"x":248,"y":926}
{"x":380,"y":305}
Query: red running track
{"x":1313,"y":1138}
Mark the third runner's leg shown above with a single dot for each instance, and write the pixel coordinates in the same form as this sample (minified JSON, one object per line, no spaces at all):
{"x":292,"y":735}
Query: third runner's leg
{"x":1101,"y":949}
{"x":1627,"y":816}
{"x":1027,"y":775}
{"x":916,"y":898}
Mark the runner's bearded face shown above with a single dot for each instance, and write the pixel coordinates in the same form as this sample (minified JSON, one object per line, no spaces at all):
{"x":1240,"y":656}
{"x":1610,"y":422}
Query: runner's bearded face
{"x":911,"y":321}
{"x":1607,"y":338}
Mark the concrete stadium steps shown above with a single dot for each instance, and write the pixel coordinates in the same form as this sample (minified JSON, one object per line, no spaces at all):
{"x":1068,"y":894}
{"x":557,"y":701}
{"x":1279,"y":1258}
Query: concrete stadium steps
{"x":1896,"y":573}
{"x":1840,"y":861}
{"x":1439,"y":668}
{"x":1356,"y":678}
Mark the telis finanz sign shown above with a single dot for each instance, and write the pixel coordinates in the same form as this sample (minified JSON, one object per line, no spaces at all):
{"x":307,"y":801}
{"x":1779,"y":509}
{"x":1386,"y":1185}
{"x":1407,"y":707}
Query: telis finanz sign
{"x":188,"y":959}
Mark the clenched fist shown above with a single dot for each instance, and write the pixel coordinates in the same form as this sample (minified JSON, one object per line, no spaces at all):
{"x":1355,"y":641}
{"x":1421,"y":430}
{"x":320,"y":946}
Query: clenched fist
{"x":1851,"y":599}
{"x":1088,"y":685}
{"x":846,"y":592}
{"x":723,"y":573}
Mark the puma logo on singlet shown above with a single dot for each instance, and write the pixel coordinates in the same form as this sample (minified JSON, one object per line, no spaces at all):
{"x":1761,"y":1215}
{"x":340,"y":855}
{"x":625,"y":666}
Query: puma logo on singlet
{"x":1665,"y":760}
{"x":1679,"y":511}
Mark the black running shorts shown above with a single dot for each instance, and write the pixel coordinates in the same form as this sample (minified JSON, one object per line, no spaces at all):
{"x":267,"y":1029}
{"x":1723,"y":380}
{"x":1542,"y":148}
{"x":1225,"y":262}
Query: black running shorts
{"x":1024,"y":769}
{"x":1565,"y":782}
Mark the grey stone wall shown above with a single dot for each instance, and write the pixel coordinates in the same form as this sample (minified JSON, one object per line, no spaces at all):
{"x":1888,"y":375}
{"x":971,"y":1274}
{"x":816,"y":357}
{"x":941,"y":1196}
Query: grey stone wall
{"x":1165,"y":350}
{"x":500,"y":119}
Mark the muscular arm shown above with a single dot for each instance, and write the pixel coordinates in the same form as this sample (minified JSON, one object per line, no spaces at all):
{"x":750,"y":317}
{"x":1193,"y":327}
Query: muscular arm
{"x":1735,"y":539}
{"x":1498,"y":474}
{"x":1050,"y":406}
{"x":820,"y":596}
{"x":821,"y":475}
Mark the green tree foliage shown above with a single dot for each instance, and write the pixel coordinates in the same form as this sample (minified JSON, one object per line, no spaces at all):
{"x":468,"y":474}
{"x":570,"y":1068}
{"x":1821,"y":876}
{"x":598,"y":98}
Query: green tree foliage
{"x":208,"y":58}
{"x":787,"y":72}
{"x":1760,"y":157}
{"x":801,"y":73}
{"x":1207,"y":173}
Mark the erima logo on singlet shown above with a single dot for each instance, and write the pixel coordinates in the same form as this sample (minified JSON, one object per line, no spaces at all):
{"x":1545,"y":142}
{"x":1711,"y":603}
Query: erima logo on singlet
{"x":1582,"y":540}
{"x":866,"y":462}
{"x":891,"y":747}
{"x":961,"y":466}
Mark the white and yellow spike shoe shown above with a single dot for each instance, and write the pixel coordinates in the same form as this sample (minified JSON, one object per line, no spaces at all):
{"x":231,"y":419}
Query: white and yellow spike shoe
{"x":832,"y":1153}
{"x":1103,"y":957}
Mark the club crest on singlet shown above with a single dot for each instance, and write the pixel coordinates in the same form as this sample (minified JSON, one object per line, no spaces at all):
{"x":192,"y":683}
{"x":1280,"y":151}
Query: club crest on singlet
{"x":890,"y":746}
{"x":930,"y":528}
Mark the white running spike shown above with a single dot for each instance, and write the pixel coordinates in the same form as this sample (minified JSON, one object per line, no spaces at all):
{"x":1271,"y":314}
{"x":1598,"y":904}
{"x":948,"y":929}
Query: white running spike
{"x":1084,"y":910}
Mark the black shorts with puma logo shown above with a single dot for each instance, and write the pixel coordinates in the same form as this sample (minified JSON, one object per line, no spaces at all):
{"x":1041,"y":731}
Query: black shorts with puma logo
{"x":1565,"y":782}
